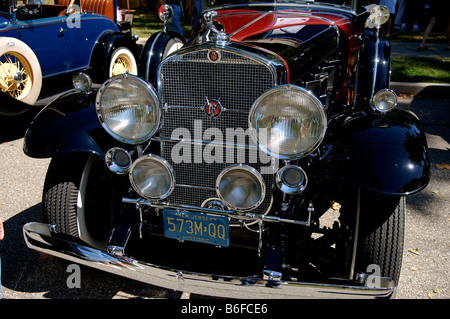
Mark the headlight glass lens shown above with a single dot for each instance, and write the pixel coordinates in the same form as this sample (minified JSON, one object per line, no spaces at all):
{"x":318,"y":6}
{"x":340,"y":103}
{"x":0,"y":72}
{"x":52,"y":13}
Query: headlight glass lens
{"x":152,"y":177}
{"x":287,"y":122}
{"x":384,"y":100}
{"x":128,"y":109}
{"x":240,"y":187}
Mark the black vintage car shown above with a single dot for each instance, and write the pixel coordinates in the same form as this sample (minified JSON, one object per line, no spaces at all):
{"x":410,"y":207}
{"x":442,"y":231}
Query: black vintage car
{"x":263,"y":157}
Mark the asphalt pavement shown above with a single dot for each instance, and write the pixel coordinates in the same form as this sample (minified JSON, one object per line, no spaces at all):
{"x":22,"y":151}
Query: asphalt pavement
{"x":424,"y":275}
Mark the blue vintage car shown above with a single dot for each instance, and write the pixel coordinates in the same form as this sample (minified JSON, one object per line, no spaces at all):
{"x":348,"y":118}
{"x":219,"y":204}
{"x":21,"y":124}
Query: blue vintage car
{"x":42,"y":45}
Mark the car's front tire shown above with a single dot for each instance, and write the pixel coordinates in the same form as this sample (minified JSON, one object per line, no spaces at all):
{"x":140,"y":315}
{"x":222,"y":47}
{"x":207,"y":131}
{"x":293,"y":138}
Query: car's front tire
{"x":381,"y":235}
{"x":77,"y":198}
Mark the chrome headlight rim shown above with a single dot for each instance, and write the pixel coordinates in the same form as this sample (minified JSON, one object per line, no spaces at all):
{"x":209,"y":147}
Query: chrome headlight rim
{"x":154,"y":95}
{"x":167,"y":166}
{"x":291,"y":188}
{"x":374,"y":102}
{"x":82,"y":82}
{"x":247,"y":168}
{"x":316,"y":102}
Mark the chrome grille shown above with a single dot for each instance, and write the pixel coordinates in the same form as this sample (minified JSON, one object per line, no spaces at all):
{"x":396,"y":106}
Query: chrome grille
{"x":186,"y":82}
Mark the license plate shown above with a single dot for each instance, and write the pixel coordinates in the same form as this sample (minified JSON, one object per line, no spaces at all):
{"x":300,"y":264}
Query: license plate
{"x":196,"y":227}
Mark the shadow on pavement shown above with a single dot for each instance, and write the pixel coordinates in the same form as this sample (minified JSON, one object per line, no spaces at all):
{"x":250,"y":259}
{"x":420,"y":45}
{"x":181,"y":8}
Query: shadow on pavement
{"x":25,"y":271}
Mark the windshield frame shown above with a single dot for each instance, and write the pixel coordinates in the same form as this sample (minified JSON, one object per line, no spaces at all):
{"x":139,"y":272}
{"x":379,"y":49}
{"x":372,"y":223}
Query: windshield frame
{"x":356,"y":7}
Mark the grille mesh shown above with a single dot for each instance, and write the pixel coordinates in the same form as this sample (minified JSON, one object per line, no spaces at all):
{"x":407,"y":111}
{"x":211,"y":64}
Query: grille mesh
{"x":186,"y":83}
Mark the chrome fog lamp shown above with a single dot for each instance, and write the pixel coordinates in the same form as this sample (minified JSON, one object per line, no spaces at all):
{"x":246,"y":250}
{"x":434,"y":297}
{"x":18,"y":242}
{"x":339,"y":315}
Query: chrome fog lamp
{"x":128,"y":109}
{"x":240,"y":187}
{"x":82,"y":82}
{"x":118,"y":160}
{"x":152,"y":177}
{"x":384,"y":100}
{"x":287,"y":122}
{"x":291,"y":179}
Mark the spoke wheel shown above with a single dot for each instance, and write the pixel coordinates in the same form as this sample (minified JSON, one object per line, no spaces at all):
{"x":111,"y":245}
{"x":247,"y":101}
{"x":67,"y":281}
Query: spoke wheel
{"x":20,"y":71}
{"x":122,"y":62}
{"x":16,"y":75}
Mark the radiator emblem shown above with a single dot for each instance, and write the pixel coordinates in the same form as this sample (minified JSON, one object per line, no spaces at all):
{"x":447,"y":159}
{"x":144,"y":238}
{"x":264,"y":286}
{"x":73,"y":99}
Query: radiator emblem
{"x":213,"y":108}
{"x":214,"y":56}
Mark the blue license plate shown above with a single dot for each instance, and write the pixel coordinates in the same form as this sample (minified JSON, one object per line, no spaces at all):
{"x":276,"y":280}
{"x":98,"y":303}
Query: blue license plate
{"x":196,"y":227}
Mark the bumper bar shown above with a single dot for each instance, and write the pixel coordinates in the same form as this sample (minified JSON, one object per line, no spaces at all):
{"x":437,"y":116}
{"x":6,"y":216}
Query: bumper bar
{"x":42,"y":238}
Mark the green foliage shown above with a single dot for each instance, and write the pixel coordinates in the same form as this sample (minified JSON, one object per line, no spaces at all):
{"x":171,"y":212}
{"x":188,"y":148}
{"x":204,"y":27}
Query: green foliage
{"x":420,"y":69}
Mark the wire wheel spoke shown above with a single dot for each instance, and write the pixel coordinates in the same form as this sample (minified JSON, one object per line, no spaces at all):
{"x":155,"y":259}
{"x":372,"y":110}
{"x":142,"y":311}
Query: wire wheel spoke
{"x":15,"y":74}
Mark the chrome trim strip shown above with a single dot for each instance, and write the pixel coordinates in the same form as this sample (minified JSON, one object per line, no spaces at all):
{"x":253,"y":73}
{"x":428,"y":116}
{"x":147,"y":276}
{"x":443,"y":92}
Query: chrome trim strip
{"x":211,"y":45}
{"x":305,"y":6}
{"x":228,"y":213}
{"x":42,"y":238}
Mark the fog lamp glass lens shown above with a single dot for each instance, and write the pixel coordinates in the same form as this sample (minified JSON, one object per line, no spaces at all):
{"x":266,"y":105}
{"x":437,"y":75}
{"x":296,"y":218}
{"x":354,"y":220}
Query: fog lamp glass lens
{"x":118,"y":160}
{"x":384,"y":100}
{"x":291,"y":179}
{"x":128,"y":109}
{"x":152,"y":177}
{"x":82,"y":82}
{"x":240,"y":187}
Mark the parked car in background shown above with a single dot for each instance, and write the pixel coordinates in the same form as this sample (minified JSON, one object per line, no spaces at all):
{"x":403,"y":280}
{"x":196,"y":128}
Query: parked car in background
{"x":262,"y":158}
{"x":42,"y":45}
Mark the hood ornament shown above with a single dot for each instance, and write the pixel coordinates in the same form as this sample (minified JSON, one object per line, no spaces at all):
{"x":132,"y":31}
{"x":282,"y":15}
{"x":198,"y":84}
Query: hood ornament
{"x":220,"y":37}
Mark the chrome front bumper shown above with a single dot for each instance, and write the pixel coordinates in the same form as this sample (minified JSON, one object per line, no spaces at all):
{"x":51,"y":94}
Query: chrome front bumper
{"x":42,"y":238}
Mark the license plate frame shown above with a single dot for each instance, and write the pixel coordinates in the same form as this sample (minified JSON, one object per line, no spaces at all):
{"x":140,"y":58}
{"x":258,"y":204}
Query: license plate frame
{"x":196,"y":227}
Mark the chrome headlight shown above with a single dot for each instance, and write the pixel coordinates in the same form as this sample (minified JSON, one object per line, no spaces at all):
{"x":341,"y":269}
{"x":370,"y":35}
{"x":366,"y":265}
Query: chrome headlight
{"x":128,"y":108}
{"x":152,"y":177}
{"x":240,"y":187}
{"x":384,"y":100}
{"x":287,"y":122}
{"x":82,"y":82}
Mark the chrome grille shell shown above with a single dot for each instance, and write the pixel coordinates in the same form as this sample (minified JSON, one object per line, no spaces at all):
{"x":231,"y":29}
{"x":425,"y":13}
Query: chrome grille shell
{"x":186,"y":81}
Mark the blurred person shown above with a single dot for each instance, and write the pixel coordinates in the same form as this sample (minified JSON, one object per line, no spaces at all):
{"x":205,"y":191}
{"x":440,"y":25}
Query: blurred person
{"x":413,"y":11}
{"x":438,"y":9}
{"x":177,"y":8}
{"x":2,"y":235}
{"x":196,"y":9}
{"x":400,"y":13}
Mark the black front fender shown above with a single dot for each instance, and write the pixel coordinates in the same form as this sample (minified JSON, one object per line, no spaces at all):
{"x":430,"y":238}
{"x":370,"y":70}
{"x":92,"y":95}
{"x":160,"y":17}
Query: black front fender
{"x":154,"y":51}
{"x":67,"y":125}
{"x":385,"y":153}
{"x":106,"y":45}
